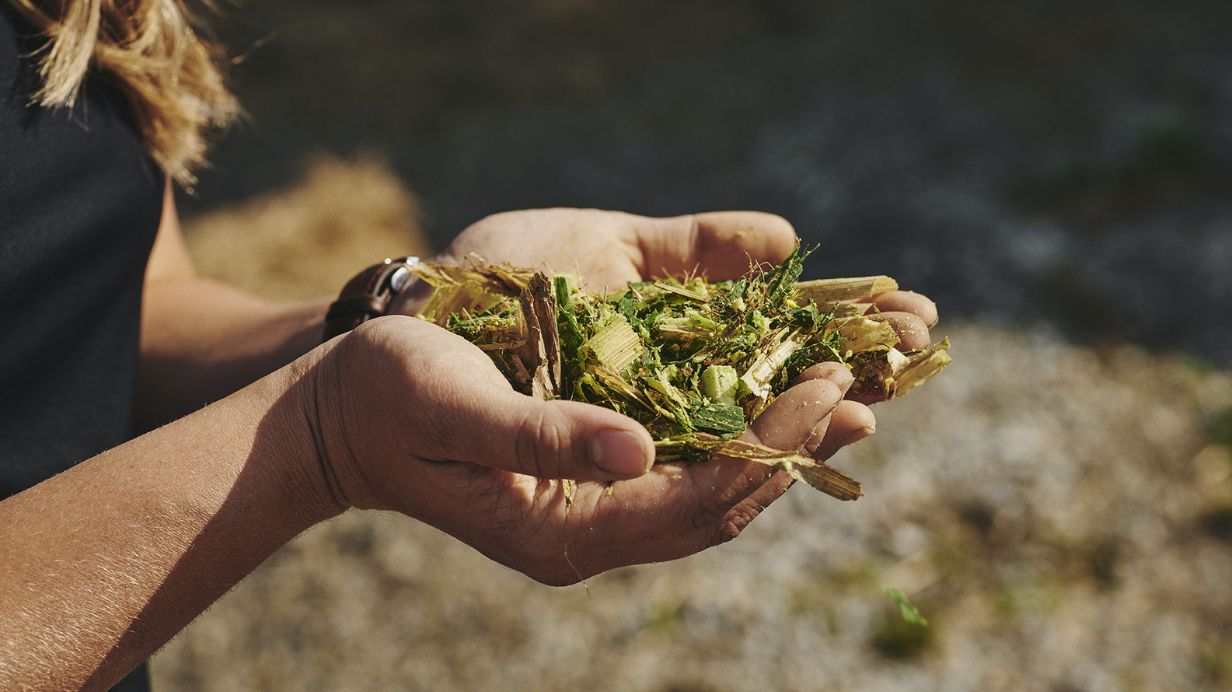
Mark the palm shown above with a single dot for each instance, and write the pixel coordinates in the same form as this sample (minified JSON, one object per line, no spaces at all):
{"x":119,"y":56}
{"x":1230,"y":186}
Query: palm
{"x":600,"y":247}
{"x":527,"y":523}
{"x":608,"y":249}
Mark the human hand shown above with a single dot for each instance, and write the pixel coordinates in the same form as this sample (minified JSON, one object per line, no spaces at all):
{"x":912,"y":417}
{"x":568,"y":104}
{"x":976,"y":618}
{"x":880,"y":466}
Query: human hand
{"x":413,"y":418}
{"x":608,"y":249}
{"x":716,"y":500}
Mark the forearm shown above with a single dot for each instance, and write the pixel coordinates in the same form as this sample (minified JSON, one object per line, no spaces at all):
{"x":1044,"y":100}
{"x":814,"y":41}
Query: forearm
{"x":104,"y":563}
{"x":202,"y":340}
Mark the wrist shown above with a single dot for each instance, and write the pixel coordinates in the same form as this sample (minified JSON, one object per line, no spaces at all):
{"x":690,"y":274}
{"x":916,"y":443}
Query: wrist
{"x":296,"y":418}
{"x":355,"y":410}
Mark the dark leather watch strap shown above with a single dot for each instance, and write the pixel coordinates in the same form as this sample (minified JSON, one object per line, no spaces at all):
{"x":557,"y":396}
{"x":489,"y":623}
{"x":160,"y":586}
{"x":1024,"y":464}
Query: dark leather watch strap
{"x":367,"y":295}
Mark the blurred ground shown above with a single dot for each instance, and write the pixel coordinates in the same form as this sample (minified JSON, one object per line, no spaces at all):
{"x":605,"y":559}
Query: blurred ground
{"x":1062,"y":514}
{"x":1057,"y":174}
{"x":1059,"y":163}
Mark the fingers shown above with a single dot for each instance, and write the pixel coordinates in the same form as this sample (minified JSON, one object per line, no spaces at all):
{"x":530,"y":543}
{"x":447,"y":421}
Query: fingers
{"x":910,"y":314}
{"x":751,"y":507}
{"x":840,"y":377}
{"x":673,"y":512}
{"x":911,"y":330}
{"x":718,"y":244}
{"x":791,"y":420}
{"x":847,"y":422}
{"x":550,"y":439}
{"x":795,"y":414}
{"x":851,"y":422}
{"x":837,"y":373}
{"x":908,"y":301}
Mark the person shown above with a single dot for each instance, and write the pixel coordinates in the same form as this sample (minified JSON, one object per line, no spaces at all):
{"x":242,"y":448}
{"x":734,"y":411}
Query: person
{"x":110,"y":545}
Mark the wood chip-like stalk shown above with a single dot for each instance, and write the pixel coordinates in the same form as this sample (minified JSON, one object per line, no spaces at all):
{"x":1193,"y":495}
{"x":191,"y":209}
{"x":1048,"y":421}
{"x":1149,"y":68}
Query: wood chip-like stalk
{"x":859,"y":288}
{"x":540,"y":355}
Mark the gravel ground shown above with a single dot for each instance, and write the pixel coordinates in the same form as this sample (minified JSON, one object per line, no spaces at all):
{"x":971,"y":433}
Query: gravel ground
{"x":1061,"y":514}
{"x":1048,"y":508}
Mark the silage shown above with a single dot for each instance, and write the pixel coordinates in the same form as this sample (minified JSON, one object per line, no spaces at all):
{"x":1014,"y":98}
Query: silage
{"x":693,"y":361}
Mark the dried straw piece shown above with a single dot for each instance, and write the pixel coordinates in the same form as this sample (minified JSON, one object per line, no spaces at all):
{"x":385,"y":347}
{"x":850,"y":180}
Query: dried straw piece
{"x":859,"y":288}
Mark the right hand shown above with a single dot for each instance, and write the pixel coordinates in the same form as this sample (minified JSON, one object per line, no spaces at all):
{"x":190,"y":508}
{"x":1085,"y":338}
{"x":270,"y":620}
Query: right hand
{"x":413,"y":418}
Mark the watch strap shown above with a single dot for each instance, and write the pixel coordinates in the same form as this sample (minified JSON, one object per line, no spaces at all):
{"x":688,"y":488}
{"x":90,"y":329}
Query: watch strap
{"x":367,"y":295}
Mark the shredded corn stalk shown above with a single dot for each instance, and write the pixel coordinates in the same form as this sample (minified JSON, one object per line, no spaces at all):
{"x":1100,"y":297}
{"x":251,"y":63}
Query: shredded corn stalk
{"x":693,"y":361}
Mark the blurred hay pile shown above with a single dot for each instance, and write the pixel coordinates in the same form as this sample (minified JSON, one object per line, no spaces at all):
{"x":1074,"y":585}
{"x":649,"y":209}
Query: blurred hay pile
{"x":306,"y":241}
{"x":1062,"y":516}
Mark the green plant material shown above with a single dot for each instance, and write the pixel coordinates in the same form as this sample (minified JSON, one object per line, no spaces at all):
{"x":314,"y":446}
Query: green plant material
{"x":893,"y":373}
{"x":904,"y":637}
{"x":720,"y":384}
{"x":693,"y":361}
{"x":615,"y":344}
{"x":719,"y":418}
{"x":909,"y":612}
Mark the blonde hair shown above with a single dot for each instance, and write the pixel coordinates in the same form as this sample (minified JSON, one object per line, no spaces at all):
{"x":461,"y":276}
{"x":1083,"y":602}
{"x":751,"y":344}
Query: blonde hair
{"x":151,"y":49}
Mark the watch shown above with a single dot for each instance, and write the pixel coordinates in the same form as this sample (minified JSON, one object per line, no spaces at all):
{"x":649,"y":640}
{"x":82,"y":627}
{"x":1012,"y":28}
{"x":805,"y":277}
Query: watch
{"x":368,"y":295}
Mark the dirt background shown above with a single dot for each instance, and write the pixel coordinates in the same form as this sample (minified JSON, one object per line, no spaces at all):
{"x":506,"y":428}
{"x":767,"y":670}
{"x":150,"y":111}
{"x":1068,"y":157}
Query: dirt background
{"x":1059,"y":503}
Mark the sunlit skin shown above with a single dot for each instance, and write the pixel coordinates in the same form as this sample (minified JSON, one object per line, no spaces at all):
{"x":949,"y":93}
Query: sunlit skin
{"x":105,"y":562}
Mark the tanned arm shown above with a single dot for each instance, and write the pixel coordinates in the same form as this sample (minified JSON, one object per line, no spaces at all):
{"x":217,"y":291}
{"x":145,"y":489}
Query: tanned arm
{"x":107,"y":561}
{"x":201,"y":339}
{"x":102,"y":564}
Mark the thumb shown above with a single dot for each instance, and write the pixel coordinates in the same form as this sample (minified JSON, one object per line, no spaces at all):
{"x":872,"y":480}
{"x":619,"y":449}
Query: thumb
{"x":557,"y":439}
{"x":718,"y":244}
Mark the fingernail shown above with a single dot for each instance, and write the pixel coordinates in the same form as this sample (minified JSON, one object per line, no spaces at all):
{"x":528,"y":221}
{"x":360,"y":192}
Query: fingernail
{"x":861,"y":433}
{"x":619,"y":452}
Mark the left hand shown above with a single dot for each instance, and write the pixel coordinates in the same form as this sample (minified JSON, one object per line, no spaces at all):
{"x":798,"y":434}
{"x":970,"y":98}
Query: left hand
{"x":608,"y":249}
{"x":409,"y":417}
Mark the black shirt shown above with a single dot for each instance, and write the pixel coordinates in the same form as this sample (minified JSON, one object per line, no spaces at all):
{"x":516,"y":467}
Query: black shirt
{"x":80,"y":202}
{"x":79,"y":205}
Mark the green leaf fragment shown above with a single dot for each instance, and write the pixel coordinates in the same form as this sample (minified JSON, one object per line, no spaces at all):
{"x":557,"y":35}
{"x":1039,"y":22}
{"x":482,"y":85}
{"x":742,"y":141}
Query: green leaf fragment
{"x":571,"y":337}
{"x":909,"y":612}
{"x":720,"y":419}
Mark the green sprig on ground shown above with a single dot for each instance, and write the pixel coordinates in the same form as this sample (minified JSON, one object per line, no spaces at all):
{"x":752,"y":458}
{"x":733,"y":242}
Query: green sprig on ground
{"x":908,"y":611}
